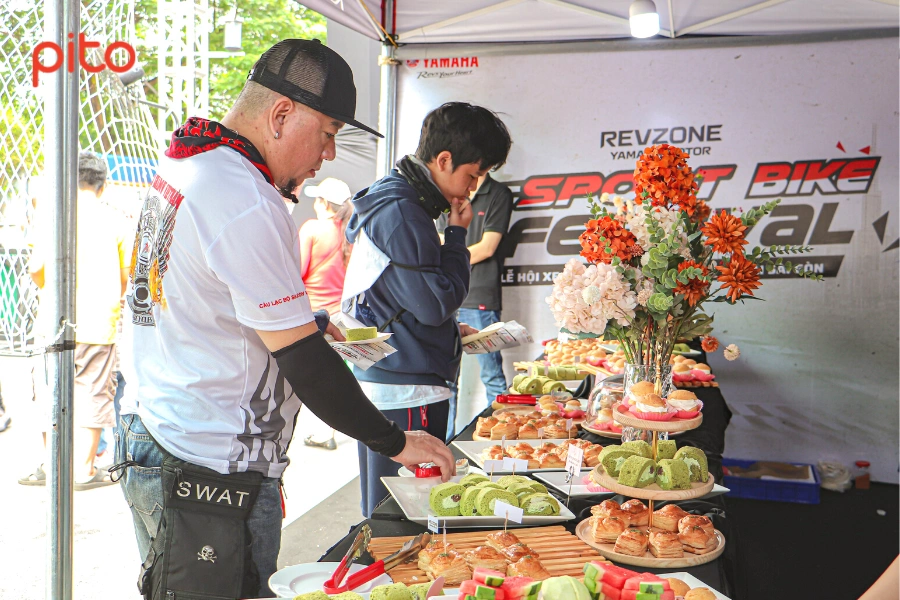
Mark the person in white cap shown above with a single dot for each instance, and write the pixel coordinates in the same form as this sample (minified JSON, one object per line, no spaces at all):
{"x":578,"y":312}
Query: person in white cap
{"x":324,"y":252}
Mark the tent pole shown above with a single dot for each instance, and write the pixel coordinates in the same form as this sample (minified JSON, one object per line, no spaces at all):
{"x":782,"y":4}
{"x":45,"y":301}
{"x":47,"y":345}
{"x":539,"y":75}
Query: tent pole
{"x":61,"y":104}
{"x":387,"y":103}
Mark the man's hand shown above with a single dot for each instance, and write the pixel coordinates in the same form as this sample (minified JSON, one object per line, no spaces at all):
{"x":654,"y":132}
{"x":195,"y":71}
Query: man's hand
{"x":465,"y":330}
{"x":332,"y":330}
{"x":425,"y":448}
{"x":460,"y":213}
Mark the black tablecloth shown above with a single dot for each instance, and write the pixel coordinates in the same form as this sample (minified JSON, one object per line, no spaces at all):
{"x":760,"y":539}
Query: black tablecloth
{"x":388,"y":519}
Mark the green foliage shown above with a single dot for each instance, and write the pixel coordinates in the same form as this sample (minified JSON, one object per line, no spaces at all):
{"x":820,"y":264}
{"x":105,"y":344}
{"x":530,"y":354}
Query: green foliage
{"x":698,"y":325}
{"x":265,"y":22}
{"x":752,"y":216}
{"x":659,"y":302}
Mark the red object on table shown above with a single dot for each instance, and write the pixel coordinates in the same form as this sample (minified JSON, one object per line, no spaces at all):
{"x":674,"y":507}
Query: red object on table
{"x":516,"y":399}
{"x":430,"y":471}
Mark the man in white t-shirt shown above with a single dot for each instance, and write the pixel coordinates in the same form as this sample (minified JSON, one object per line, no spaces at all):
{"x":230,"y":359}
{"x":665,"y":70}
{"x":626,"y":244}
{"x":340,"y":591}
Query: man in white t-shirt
{"x":223,"y":343}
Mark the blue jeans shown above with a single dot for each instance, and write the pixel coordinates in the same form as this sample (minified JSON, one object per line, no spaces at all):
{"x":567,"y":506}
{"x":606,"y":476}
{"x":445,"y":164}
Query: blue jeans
{"x":142,"y":487}
{"x":491,"y":365}
{"x":374,"y":466}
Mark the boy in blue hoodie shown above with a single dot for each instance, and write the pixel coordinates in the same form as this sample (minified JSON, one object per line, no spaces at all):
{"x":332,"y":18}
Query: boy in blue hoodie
{"x":417,"y":295}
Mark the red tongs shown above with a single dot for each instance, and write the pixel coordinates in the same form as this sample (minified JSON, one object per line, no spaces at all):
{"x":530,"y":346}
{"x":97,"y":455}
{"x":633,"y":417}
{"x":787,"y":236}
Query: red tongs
{"x":517,"y":399}
{"x":333,"y":585}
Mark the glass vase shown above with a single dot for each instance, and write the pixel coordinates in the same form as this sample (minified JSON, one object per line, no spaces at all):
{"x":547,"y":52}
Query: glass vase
{"x":605,"y":393}
{"x":661,"y":378}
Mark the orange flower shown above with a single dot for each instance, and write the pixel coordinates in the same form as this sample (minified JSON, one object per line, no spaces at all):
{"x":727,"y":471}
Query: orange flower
{"x":701,"y":212}
{"x":695,"y":288}
{"x":740,"y":276}
{"x":709,"y":344}
{"x":663,"y":173}
{"x":725,"y":233}
{"x":603,"y":231}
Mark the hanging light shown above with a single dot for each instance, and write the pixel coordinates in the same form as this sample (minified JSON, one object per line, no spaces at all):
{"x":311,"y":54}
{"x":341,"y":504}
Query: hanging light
{"x":643,"y":18}
{"x":233,"y":26}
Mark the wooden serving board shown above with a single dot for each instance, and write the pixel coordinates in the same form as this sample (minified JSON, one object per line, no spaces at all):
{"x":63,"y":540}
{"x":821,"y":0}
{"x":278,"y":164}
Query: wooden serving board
{"x":625,"y":418}
{"x":583,"y":531}
{"x":652,"y":491}
{"x":561,"y":552}
{"x":696,"y":384}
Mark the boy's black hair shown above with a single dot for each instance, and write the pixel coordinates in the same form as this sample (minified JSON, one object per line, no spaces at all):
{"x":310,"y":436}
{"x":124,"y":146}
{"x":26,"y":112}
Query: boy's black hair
{"x":472,"y":134}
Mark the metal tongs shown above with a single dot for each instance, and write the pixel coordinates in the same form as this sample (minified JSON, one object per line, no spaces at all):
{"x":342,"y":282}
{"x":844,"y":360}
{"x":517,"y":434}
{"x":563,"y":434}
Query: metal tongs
{"x":333,"y":586}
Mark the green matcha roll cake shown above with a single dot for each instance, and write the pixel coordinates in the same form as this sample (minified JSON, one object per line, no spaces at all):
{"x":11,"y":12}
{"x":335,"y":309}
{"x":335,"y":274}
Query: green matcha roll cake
{"x":538,"y":487}
{"x":665,"y":449}
{"x":639,"y":447}
{"x":484,"y":502}
{"x":350,"y":596}
{"x":695,"y":459}
{"x":673,"y":474}
{"x":508,"y":480}
{"x":420,"y":590}
{"x":472,"y":479}
{"x":612,"y":457}
{"x":467,"y":501}
{"x":317,"y":595}
{"x":444,"y":499}
{"x":637,"y":472}
{"x":540,"y":504}
{"x":358,"y":334}
{"x":396,"y":591}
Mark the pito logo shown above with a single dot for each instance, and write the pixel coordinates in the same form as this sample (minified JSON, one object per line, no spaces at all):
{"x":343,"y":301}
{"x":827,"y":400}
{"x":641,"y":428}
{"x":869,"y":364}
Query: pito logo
{"x":412,"y":62}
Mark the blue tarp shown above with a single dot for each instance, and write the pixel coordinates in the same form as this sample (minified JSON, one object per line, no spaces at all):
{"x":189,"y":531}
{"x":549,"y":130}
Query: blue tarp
{"x":128,"y":169}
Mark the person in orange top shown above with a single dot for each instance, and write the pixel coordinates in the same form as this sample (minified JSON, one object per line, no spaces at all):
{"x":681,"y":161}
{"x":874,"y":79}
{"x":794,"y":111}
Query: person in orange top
{"x":324,"y":253}
{"x":324,"y":250}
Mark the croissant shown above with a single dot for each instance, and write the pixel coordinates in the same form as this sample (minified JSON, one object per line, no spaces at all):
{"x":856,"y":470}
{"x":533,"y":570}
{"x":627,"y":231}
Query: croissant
{"x":486,"y":557}
{"x":517,"y":551}
{"x":451,"y":566}
{"x":632,"y":542}
{"x":697,"y":541}
{"x":665,"y":544}
{"x":668,"y":516}
{"x":638,"y":511}
{"x":528,"y":566}
{"x":606,"y":530}
{"x":501,"y":539}
{"x":602,"y":509}
{"x":696,"y":521}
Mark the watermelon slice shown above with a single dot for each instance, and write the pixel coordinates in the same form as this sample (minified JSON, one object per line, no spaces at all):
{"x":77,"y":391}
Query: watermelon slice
{"x":607,"y":573}
{"x":612,"y":593}
{"x":517,"y":588}
{"x":638,"y":595}
{"x":481,"y":591}
{"x":647,"y":582}
{"x":488,"y":577}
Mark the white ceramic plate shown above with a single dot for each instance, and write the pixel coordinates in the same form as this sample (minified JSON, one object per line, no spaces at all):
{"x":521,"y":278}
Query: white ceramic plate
{"x":693,"y":582}
{"x":580,"y":489}
{"x":473,"y":451}
{"x":309,"y":577}
{"x":412,"y":496}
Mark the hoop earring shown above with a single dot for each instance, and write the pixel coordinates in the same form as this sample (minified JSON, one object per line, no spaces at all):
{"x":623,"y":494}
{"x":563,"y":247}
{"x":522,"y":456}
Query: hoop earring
{"x":277,"y":134}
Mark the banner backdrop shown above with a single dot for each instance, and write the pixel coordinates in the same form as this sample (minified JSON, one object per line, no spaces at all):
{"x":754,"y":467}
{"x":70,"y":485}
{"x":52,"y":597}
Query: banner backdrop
{"x":813,"y":124}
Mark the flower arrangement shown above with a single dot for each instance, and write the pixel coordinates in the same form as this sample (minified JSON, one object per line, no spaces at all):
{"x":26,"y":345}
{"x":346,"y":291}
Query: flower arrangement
{"x":654,"y":261}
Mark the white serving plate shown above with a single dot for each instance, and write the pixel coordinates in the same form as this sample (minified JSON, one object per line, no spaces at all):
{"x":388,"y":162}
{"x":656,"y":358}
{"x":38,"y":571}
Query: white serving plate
{"x":558,"y":480}
{"x":309,"y":577}
{"x":473,"y":451}
{"x":412,"y":496}
{"x":693,"y":582}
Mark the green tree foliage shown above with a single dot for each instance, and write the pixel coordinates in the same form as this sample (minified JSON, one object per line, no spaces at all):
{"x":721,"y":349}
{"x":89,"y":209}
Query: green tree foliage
{"x":265,"y":22}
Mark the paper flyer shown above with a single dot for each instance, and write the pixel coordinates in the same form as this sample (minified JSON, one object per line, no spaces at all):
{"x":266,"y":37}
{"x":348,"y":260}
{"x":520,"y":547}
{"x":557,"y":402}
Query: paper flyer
{"x":498,"y":336}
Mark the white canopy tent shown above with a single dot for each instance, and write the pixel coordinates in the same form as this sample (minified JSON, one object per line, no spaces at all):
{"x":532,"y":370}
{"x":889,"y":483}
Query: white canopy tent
{"x":520,"y":21}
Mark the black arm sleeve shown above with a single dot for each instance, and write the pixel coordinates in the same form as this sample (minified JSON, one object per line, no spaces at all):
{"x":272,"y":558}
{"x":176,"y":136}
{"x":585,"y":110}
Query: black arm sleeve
{"x":324,"y":383}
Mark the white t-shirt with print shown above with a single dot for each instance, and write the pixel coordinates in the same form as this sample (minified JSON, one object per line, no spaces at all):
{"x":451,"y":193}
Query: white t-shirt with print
{"x":216,"y":257}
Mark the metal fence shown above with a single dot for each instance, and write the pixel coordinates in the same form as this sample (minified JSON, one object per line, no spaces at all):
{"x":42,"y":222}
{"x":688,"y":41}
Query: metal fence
{"x":113,"y":122}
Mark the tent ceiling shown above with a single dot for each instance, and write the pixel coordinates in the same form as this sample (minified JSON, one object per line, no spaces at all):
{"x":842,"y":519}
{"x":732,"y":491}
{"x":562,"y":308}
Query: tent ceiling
{"x":471,"y":21}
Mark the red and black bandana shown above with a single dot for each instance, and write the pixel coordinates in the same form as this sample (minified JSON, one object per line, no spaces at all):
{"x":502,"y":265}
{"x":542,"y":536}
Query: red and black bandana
{"x":201,"y":135}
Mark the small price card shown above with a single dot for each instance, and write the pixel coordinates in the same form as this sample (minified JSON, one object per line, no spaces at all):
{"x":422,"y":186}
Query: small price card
{"x":513,"y":513}
{"x":516,"y":465}
{"x":493,"y":465}
{"x":574,"y":458}
{"x":433,"y":524}
{"x":540,"y":433}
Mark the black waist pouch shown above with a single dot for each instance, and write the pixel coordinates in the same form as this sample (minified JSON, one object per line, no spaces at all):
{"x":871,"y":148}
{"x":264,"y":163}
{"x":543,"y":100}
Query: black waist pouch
{"x":201,"y":550}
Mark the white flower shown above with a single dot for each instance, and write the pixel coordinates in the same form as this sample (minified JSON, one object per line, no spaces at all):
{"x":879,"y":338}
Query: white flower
{"x":585,"y":299}
{"x":685,"y":253}
{"x":732,"y":352}
{"x":590,"y":294}
{"x":665,"y":218}
{"x":643,"y":296}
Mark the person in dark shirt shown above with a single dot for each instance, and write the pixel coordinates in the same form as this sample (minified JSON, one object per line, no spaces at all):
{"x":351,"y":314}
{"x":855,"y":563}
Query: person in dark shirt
{"x":492,"y":205}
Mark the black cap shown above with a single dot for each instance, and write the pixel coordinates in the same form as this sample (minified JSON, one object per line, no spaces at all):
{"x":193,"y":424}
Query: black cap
{"x":312,"y":74}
